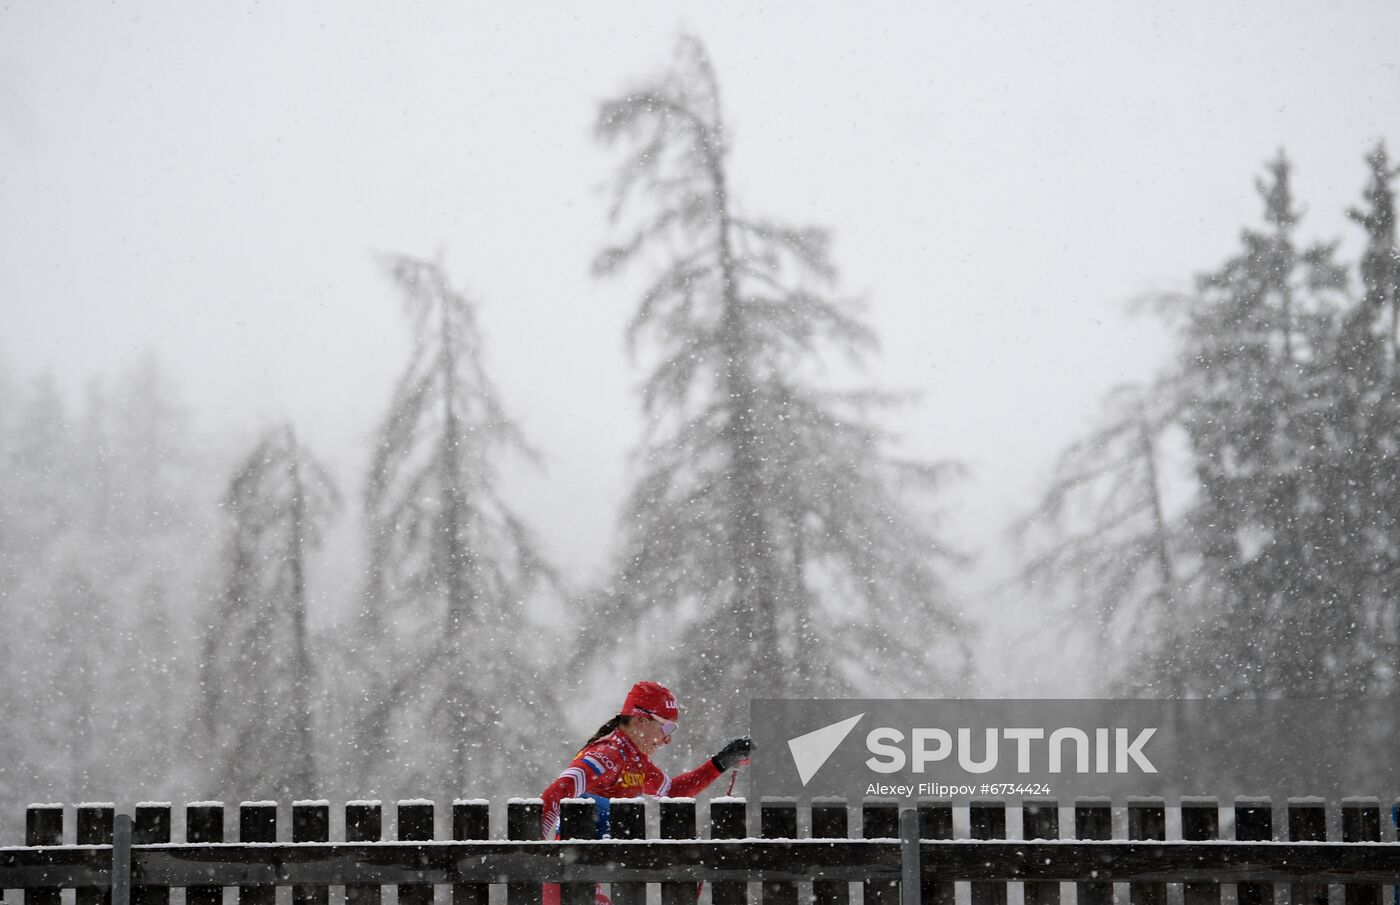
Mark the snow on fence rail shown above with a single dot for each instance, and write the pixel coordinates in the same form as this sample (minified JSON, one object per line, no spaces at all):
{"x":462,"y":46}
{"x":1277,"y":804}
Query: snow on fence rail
{"x":901,"y":856}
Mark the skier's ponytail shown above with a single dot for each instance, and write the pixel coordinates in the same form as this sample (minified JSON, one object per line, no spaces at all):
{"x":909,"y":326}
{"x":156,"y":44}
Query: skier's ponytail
{"x":608,"y":728}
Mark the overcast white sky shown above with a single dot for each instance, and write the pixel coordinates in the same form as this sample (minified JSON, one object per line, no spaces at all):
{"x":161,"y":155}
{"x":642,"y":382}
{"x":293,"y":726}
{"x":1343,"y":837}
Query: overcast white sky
{"x":210,"y":180}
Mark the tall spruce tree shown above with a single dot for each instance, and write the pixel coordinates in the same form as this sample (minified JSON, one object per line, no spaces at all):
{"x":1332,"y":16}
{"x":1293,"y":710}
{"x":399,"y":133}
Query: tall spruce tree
{"x":771,"y":543}
{"x":1366,"y":498}
{"x":454,"y":689}
{"x":1256,"y":354}
{"x":257,"y":671}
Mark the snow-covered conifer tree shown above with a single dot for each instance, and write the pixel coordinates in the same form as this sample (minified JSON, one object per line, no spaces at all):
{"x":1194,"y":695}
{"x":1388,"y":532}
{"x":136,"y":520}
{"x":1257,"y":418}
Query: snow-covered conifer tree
{"x":257,"y":675}
{"x":771,"y":543}
{"x":452,"y":696}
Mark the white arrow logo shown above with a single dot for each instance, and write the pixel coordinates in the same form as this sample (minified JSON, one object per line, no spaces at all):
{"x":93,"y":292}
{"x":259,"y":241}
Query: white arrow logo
{"x":810,"y":751}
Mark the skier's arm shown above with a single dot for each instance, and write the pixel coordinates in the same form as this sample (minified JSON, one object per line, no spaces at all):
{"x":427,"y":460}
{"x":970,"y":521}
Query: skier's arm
{"x":687,"y":785}
{"x":566,"y":786}
{"x":573,"y":783}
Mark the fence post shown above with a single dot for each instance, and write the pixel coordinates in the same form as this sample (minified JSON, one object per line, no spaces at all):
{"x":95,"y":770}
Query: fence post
{"x":1307,"y":822}
{"x":677,"y":821}
{"x":987,"y":820}
{"x":1254,"y":822}
{"x":910,"y":887}
{"x":628,"y":818}
{"x":204,"y":822}
{"x":94,"y":827}
{"x":577,"y":820}
{"x":121,"y":859}
{"x":471,"y":819}
{"x":151,"y":827}
{"x":1147,"y":822}
{"x":364,"y":822}
{"x":830,"y":821}
{"x":415,"y":824}
{"x":1200,"y":822}
{"x":1361,"y":822}
{"x":880,"y":820}
{"x":311,"y":822}
{"x":1040,"y":819}
{"x":524,"y":824}
{"x":1093,"y":819}
{"x":728,"y":820}
{"x":257,"y":822}
{"x":43,"y":825}
{"x":777,"y":819}
{"x":936,"y":822}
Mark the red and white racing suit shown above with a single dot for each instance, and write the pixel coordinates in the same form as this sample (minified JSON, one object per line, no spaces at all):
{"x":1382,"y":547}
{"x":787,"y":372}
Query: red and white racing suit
{"x":614,"y":767}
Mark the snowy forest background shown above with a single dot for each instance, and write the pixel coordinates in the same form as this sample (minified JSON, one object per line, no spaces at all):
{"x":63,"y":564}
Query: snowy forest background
{"x":201,"y":610}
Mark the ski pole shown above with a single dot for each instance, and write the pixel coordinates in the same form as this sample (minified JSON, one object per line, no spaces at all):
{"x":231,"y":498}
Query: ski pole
{"x":734,"y":774}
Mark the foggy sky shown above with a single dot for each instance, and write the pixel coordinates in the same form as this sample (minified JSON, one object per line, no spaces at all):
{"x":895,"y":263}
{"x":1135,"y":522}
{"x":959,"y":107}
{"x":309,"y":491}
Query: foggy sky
{"x":212,"y":181}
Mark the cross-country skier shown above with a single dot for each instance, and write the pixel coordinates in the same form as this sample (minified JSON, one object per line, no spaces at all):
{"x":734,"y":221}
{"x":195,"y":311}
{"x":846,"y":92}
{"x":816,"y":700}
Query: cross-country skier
{"x":616,"y":763}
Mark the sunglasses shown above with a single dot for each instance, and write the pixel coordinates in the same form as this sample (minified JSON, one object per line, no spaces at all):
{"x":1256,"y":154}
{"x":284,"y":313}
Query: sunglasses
{"x":668,"y":727}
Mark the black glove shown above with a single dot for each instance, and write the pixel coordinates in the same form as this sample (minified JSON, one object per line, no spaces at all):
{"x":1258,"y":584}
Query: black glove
{"x":732,"y":754}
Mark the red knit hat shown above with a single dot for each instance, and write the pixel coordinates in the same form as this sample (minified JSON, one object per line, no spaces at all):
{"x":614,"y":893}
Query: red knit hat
{"x":652,"y":699}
